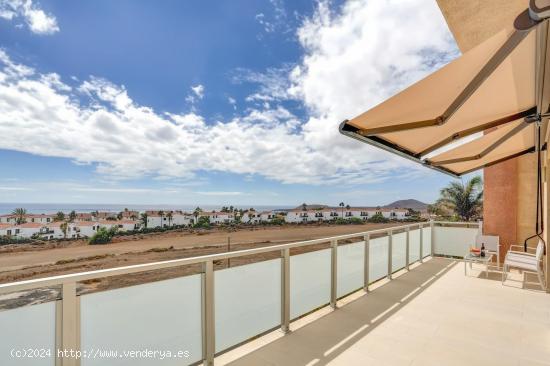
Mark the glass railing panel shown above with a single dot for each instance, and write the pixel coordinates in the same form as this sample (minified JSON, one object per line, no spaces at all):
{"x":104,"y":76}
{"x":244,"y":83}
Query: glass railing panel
{"x":378,"y":258}
{"x":309,"y":281}
{"x":350,"y":267}
{"x":247,"y":302}
{"x":28,"y":328}
{"x":414,"y":245}
{"x":454,"y":241}
{"x":399,"y":251}
{"x":426,"y":241}
{"x":163,"y":316}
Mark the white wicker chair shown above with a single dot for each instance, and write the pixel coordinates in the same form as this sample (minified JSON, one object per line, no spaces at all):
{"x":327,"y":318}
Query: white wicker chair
{"x":526,"y":261}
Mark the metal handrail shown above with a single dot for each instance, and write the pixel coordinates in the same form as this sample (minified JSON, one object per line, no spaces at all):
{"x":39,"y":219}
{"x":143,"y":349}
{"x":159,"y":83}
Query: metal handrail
{"x":67,"y":316}
{"x":102,"y":273}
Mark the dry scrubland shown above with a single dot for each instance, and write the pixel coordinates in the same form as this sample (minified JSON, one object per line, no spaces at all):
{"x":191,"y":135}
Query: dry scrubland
{"x":23,"y":262}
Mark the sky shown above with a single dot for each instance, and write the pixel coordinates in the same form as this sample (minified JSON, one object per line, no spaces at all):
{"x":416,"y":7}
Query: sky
{"x":208,"y":102}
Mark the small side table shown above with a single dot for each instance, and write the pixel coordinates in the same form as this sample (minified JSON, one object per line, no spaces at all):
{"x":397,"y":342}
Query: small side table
{"x":470,"y":258}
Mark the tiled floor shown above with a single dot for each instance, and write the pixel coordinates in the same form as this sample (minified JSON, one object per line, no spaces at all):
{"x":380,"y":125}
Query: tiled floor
{"x":432,"y":315}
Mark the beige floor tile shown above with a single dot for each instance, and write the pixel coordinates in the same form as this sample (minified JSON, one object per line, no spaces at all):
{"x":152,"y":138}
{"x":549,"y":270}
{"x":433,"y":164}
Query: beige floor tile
{"x":432,"y":315}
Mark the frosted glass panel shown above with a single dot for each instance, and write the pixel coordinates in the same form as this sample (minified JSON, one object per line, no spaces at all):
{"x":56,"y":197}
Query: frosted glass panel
{"x":162,"y":316}
{"x":427,"y":241}
{"x":414,"y":245}
{"x":248,"y":301}
{"x":399,"y":251}
{"x":309,"y":281}
{"x":28,"y":327}
{"x":350,"y":267}
{"x":378,"y":258}
{"x":454,"y":241}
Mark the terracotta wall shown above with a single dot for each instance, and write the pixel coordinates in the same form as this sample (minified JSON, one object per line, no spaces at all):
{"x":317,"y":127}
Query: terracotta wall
{"x":500,"y":206}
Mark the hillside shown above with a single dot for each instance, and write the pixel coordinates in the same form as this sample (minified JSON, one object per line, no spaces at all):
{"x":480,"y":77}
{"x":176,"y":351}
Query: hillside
{"x":409,"y":203}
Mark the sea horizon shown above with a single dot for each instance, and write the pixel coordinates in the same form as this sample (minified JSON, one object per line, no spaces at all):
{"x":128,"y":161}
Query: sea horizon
{"x":48,"y":208}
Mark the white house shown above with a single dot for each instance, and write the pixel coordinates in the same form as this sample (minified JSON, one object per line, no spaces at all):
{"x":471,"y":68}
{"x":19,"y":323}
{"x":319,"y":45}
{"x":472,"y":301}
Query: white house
{"x":299,"y":215}
{"x":108,"y":224}
{"x":7,"y":229}
{"x":127,"y":225}
{"x":267,"y":216}
{"x":331,"y":214}
{"x":219,"y":217}
{"x":85,"y":216}
{"x":84,"y":228}
{"x":30,"y":218}
{"x":180,"y":218}
{"x":251,"y":217}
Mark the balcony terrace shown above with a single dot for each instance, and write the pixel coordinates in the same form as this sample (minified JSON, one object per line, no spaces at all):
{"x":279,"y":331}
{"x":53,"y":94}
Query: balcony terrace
{"x":431,"y":315}
{"x":300,"y":303}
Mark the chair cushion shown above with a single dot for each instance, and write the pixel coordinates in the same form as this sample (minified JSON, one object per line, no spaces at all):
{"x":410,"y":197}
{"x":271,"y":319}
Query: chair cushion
{"x":521,"y":261}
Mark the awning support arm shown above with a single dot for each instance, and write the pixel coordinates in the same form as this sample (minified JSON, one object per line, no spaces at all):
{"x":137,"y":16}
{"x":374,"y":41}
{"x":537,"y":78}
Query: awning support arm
{"x":480,"y":128}
{"x":490,"y":148}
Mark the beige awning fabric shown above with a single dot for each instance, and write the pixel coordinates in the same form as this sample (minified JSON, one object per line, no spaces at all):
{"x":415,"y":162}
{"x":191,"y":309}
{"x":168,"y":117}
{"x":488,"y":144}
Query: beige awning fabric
{"x":492,"y":85}
{"x":505,"y":142}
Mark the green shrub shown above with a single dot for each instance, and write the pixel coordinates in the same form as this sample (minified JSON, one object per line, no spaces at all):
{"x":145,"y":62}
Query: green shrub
{"x":378,"y":219}
{"x":103,"y":236}
{"x":277,"y":221}
{"x":355,"y":221}
{"x":5,"y":240}
{"x":203,"y":223}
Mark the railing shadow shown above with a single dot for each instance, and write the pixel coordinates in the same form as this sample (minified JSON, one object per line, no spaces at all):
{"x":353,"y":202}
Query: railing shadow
{"x":322,"y":340}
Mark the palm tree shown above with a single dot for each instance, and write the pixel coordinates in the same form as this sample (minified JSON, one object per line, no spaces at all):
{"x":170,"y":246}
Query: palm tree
{"x":342,"y":204}
{"x":161,"y":214}
{"x":144,"y":219}
{"x":304,"y":207}
{"x":64,"y":226}
{"x":169,"y":215}
{"x":196,"y":213}
{"x":465,"y":200}
{"x":60,"y":216}
{"x":20,"y":214}
{"x":72,"y":216}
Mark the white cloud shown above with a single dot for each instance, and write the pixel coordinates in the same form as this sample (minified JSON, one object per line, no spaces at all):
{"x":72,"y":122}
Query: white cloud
{"x":198,"y":90}
{"x":275,"y":20}
{"x":353,"y":60}
{"x":368,"y":52}
{"x":8,"y":188}
{"x":37,"y":20}
{"x":197,"y":93}
{"x":220,"y":193}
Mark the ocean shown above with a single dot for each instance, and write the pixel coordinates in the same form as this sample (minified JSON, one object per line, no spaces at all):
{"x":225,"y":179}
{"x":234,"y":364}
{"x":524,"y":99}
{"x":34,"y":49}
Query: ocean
{"x":39,"y":208}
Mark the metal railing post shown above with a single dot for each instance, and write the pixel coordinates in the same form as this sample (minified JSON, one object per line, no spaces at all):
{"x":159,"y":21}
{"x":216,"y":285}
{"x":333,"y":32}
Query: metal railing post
{"x":407,"y":260}
{"x":390,"y":245}
{"x":70,"y":326}
{"x":366,"y":264}
{"x":285,"y":290}
{"x":421,"y":227}
{"x":208,"y":325}
{"x":333,"y":272}
{"x":432,"y":236}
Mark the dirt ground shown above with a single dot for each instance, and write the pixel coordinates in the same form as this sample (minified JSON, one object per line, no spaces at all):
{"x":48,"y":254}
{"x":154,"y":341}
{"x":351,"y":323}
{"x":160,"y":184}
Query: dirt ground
{"x":24,"y":262}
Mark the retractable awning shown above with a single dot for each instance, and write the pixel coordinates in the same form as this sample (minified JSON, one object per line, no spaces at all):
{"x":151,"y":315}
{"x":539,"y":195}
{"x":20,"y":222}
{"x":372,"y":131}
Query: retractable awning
{"x":499,"y":86}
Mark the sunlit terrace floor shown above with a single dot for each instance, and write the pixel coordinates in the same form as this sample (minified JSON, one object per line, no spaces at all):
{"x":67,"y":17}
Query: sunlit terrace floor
{"x":432,"y":315}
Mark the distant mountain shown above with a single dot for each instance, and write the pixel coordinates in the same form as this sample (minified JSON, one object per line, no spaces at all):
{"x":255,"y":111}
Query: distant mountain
{"x":410,"y":203}
{"x":314,"y":206}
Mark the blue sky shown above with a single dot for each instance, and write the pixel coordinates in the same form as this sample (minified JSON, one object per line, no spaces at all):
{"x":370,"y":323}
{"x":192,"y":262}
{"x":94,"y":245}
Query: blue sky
{"x":208,"y":102}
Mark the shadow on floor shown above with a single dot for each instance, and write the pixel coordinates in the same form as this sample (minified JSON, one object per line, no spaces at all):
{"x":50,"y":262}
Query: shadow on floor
{"x":324,"y":339}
